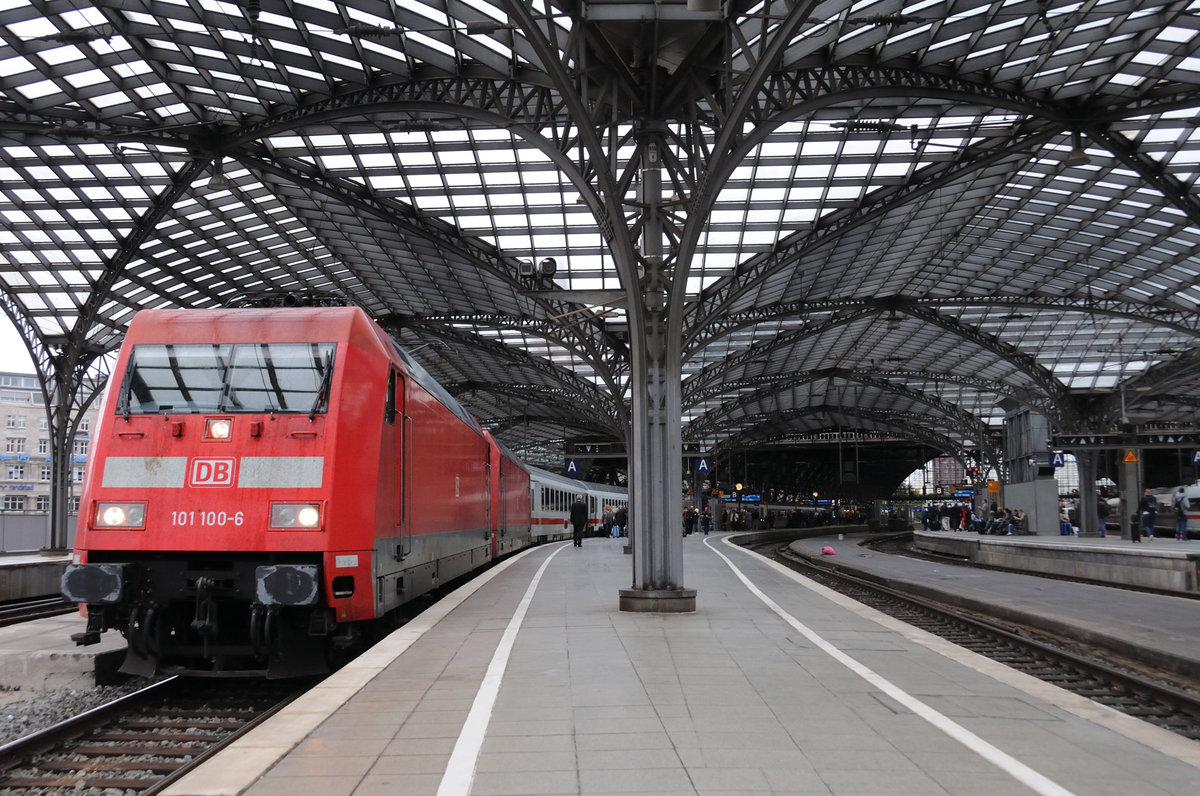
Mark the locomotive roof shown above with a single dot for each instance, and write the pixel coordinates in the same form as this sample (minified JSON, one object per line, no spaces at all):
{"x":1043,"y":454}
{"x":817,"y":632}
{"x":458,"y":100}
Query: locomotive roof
{"x":282,"y":324}
{"x":226,"y":323}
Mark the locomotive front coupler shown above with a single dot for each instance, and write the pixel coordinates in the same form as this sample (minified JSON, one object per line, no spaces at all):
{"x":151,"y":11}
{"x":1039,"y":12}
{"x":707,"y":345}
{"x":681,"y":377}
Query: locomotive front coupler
{"x":95,"y":626}
{"x":204,"y":619}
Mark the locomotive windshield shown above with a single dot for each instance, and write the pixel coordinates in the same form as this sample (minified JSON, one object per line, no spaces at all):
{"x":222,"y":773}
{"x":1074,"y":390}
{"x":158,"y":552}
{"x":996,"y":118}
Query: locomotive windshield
{"x":239,"y":377}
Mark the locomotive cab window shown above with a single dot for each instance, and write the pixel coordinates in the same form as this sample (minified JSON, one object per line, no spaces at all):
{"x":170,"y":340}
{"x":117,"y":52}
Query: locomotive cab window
{"x":219,"y":378}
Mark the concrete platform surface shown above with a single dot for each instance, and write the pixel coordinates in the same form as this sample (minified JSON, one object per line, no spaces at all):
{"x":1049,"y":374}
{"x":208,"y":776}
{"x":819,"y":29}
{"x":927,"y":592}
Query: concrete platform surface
{"x":529,"y":680}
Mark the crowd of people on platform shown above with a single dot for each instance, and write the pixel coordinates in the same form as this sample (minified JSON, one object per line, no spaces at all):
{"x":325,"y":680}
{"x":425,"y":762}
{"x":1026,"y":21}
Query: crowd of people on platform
{"x":962,"y":516}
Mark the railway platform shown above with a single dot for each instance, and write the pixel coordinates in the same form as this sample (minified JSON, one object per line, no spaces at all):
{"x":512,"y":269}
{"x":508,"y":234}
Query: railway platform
{"x":40,"y":656}
{"x":1126,"y":622}
{"x":529,"y":680}
{"x":1163,"y":564}
{"x":25,"y":575}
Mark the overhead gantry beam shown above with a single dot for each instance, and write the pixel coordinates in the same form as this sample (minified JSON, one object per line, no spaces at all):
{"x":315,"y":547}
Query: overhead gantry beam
{"x":895,"y":421}
{"x":770,"y":386}
{"x":908,"y":425}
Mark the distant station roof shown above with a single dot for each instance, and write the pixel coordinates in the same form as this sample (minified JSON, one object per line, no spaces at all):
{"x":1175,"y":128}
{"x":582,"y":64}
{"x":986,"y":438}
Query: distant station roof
{"x":893,"y":218}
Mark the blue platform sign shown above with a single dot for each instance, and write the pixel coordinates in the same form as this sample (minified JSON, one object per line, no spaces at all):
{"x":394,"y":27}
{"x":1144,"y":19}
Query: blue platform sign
{"x":702,"y":465}
{"x":1195,"y":458}
{"x":1058,"y":459}
{"x":571,"y":468}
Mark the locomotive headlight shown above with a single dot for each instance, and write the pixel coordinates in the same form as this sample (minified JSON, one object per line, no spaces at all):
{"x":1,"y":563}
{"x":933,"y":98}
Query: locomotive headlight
{"x":120,"y":515}
{"x":217,"y":428}
{"x":296,"y":515}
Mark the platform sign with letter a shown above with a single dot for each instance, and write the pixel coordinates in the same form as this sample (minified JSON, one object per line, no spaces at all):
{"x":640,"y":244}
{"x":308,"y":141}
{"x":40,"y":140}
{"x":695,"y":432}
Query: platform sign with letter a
{"x":571,"y":468}
{"x":703,"y":466}
{"x":1058,"y":459}
{"x":1195,"y":458}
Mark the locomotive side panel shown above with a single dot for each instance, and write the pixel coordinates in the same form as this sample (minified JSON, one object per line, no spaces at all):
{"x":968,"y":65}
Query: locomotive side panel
{"x":358,"y":502}
{"x":448,"y":473}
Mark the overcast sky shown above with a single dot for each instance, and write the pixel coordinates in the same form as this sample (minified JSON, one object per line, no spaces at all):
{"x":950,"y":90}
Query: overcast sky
{"x":14,"y":356}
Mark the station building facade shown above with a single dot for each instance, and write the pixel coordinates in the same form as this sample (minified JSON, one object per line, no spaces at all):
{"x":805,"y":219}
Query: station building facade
{"x":25,"y":468}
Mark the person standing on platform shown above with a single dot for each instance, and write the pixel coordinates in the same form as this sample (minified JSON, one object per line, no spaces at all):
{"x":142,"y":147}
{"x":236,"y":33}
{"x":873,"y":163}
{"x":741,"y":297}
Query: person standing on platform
{"x":1182,"y":505}
{"x":1148,"y":507}
{"x":579,"y":519}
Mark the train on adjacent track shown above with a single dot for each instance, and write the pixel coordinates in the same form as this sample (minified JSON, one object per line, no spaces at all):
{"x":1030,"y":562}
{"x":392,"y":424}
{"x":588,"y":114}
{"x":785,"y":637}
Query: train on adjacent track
{"x":268,"y":486}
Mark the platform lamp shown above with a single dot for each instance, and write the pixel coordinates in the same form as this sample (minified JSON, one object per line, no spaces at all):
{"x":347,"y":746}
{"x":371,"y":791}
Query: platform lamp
{"x":218,"y":179}
{"x":1078,"y":156}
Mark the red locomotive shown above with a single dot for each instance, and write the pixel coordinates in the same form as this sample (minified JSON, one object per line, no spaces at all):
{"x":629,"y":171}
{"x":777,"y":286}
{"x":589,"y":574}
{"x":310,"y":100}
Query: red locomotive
{"x":266,"y":483}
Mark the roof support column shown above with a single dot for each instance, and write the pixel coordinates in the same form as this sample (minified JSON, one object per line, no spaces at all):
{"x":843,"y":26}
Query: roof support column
{"x":1089,"y":519}
{"x":62,"y":383}
{"x":655,"y":463}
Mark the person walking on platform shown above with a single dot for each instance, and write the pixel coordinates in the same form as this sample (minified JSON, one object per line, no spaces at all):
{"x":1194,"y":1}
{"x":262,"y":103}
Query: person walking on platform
{"x":1148,"y":507}
{"x":1181,"y":503}
{"x":578,"y":519}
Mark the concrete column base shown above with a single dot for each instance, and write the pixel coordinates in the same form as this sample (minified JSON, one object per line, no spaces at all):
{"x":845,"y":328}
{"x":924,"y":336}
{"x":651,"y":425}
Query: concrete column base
{"x":660,"y":601}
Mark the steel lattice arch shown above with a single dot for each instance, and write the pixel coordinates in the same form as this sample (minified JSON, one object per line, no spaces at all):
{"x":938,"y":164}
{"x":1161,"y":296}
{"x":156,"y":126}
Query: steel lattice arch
{"x":933,"y":212}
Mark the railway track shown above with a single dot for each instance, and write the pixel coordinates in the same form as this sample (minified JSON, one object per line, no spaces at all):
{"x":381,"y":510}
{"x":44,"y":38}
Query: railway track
{"x":1156,"y":697}
{"x":141,"y":742}
{"x":16,"y":611}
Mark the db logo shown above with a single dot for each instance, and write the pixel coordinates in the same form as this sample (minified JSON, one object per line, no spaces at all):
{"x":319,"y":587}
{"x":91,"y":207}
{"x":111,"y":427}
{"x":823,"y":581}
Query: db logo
{"x":211,"y":472}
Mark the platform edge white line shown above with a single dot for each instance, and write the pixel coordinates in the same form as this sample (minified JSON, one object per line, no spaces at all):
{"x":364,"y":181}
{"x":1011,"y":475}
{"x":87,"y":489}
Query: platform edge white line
{"x":268,"y":743}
